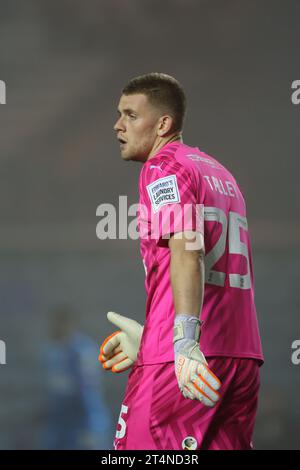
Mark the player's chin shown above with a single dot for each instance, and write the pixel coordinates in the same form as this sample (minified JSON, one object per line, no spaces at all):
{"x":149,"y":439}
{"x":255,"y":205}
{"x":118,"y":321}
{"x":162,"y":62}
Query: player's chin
{"x":127,"y":156}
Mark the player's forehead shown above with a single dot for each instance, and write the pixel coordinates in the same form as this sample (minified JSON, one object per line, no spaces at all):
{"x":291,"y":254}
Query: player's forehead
{"x":137,"y":102}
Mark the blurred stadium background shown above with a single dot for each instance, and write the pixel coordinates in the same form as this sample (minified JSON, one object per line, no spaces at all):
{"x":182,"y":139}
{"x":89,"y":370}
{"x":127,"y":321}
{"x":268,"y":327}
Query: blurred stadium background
{"x":64,"y":63}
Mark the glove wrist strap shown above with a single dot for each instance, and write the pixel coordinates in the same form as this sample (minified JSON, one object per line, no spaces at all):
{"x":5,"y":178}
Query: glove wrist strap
{"x":186,"y":327}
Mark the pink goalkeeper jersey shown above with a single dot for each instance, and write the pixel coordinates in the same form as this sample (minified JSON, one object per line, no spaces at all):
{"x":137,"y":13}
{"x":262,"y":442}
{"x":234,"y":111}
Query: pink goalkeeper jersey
{"x":173,"y":183}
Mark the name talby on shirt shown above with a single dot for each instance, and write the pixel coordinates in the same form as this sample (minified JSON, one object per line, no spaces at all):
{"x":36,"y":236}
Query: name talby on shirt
{"x":226,"y":188}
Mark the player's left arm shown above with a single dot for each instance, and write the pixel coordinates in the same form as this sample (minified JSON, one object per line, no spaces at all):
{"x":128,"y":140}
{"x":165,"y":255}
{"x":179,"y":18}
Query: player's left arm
{"x":187,"y":271}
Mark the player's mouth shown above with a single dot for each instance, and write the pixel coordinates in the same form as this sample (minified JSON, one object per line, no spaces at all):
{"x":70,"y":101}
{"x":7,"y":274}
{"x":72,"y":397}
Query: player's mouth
{"x":122,"y":142}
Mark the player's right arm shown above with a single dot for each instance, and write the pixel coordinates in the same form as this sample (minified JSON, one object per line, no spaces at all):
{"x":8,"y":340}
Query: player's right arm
{"x":118,"y":351}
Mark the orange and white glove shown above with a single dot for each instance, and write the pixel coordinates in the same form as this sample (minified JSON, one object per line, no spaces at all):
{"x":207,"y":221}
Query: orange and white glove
{"x":118,"y":351}
{"x":196,"y":381}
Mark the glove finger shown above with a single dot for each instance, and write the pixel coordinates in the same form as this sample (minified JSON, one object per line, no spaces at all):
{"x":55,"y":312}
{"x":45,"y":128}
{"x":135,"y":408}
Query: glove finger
{"x":188,"y":391}
{"x":202,"y":397}
{"x":119,"y":320}
{"x":206,"y":388}
{"x":105,"y":357}
{"x":209,"y":376}
{"x":123,"y":365}
{"x":195,"y":394}
{"x":110,"y":343}
{"x":111,"y":362}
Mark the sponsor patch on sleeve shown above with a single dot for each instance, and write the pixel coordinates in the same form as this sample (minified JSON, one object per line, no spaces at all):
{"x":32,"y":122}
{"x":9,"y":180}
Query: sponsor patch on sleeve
{"x":163,"y":191}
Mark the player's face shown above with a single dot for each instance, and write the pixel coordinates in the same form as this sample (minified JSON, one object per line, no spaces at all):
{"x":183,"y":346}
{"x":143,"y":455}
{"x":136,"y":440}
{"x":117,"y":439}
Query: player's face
{"x":136,"y":127}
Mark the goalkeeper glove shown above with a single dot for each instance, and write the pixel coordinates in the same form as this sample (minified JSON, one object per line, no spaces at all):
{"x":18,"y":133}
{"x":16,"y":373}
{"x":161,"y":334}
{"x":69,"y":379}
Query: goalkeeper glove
{"x":195,"y":379}
{"x":119,"y":351}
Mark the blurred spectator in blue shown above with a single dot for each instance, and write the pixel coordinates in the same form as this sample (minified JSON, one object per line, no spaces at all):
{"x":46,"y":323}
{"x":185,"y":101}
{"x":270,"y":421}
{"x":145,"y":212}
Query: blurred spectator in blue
{"x":76,"y":414}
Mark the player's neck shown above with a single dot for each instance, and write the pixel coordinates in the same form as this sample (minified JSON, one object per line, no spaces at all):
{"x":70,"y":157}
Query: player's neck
{"x":163,"y":142}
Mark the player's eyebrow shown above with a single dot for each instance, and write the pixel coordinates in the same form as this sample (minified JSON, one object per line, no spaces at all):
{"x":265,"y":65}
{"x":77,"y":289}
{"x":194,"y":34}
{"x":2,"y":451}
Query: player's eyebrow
{"x":126,"y":111}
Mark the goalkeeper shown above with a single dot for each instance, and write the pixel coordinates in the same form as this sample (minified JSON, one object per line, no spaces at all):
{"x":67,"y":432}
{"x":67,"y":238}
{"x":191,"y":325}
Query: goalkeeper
{"x":191,"y":381}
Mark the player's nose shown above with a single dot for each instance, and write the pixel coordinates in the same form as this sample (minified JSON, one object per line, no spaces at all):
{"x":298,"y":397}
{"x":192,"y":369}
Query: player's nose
{"x":119,"y":125}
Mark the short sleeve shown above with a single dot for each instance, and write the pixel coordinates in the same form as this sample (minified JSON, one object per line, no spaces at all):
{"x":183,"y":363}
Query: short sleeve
{"x":170,"y":201}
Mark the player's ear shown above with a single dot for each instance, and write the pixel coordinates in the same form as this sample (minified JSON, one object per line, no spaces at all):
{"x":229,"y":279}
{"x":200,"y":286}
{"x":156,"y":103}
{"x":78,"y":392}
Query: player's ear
{"x":164,"y":125}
